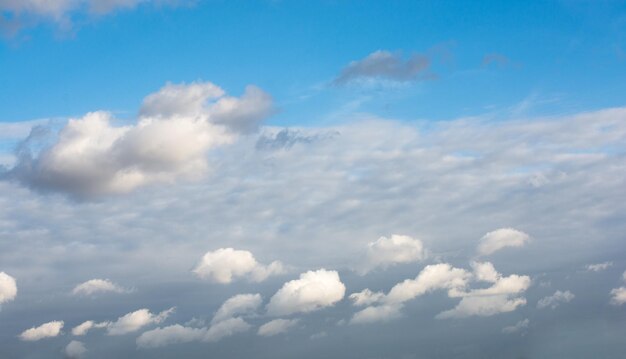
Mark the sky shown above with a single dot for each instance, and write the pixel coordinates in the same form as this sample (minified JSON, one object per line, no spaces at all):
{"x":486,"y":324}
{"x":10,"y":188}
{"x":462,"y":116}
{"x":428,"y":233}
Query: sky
{"x":312,"y":179}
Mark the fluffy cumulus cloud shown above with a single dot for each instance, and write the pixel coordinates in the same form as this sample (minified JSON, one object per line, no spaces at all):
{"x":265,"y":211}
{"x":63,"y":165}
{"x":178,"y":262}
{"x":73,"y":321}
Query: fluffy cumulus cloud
{"x":136,"y":320}
{"x":384,"y":65}
{"x":8,"y":288}
{"x":172,"y":334}
{"x":276,"y":326}
{"x":618,"y":295}
{"x":501,"y":238}
{"x":240,"y":304}
{"x":47,"y":330}
{"x":312,"y":291}
{"x":75,"y":350}
{"x":177,"y":126}
{"x":85,"y":326}
{"x":226,"y":328}
{"x":97,"y":286}
{"x":520,"y":326}
{"x":556,"y":299}
{"x":502,"y":296}
{"x":226,"y":264}
{"x":598,"y":267}
{"x":387,"y":251}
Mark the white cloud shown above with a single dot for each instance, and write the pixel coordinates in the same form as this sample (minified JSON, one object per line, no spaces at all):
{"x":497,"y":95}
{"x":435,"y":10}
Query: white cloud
{"x":170,"y":140}
{"x":618,"y":296}
{"x":555,"y":299}
{"x":75,"y":350}
{"x":314,"y":290}
{"x":226,"y":264}
{"x":276,"y":326}
{"x":483,"y":306}
{"x":598,"y":267}
{"x":237,"y":305}
{"x":366,"y":297}
{"x":95,"y":286}
{"x":432,"y":277}
{"x":225,"y":329}
{"x":172,"y":334}
{"x":517,"y":327}
{"x":384,"y":65}
{"x":501,"y":238}
{"x":396,"y":249}
{"x":84,"y":327}
{"x":47,"y":330}
{"x":136,"y":320}
{"x":8,"y":288}
{"x":379,"y":313}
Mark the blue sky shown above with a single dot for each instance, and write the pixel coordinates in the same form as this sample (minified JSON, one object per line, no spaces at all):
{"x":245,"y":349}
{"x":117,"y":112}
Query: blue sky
{"x":312,"y":179}
{"x":571,"y":54}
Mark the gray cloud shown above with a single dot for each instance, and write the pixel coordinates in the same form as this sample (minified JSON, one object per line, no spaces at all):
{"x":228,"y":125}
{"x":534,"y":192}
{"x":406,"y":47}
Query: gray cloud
{"x":385,"y":65}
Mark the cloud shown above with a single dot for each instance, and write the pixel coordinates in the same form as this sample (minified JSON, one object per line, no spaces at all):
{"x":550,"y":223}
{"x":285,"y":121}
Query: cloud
{"x":618,"y":296}
{"x":75,"y":350}
{"x":172,"y":334}
{"x":432,"y":277}
{"x":482,"y":306}
{"x":379,"y":313}
{"x":170,"y":140}
{"x":501,"y":238}
{"x":555,"y":299}
{"x":237,"y":305}
{"x":227,"y":264}
{"x":8,"y":288}
{"x":396,"y":249}
{"x":598,"y":267}
{"x":136,"y":320}
{"x":522,"y":325}
{"x":366,"y":297}
{"x":96,"y":286}
{"x":384,"y":65}
{"x":226,"y":328}
{"x":84,"y":327}
{"x":314,"y":290}
{"x":276,"y":326}
{"x":47,"y":330}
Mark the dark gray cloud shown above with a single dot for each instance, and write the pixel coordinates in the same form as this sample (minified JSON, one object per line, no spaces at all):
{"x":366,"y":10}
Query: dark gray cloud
{"x":386,"y":66}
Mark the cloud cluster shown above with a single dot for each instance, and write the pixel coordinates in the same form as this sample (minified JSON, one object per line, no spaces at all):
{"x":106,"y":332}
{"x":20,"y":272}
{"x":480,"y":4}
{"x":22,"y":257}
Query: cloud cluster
{"x":47,"y":330}
{"x":227,"y":264}
{"x":501,"y":238}
{"x":312,"y":291}
{"x":276,"y":326}
{"x":520,"y":326}
{"x":176,"y":128}
{"x":125,"y":324}
{"x":556,"y":299}
{"x":75,"y":350}
{"x":96,"y":286}
{"x":384,"y":65}
{"x":8,"y":288}
{"x":396,"y":249}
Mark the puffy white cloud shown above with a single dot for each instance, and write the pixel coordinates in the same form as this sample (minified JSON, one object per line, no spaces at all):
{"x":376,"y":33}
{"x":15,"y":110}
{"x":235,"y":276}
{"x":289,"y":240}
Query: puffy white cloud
{"x":555,"y":299}
{"x":95,"y":286}
{"x":379,"y":313}
{"x":366,"y":297}
{"x":517,"y":327}
{"x":314,"y":290}
{"x":136,"y":320}
{"x":396,"y":249}
{"x":47,"y":330}
{"x":237,"y":305}
{"x":483,"y":306}
{"x":84,"y":327}
{"x":501,"y":238}
{"x":225,"y":329}
{"x":226,"y":264}
{"x":598,"y":267}
{"x":172,"y":334}
{"x":618,"y":296}
{"x":170,"y":140}
{"x":384,"y":65}
{"x":432,"y":277}
{"x":8,"y":288}
{"x":75,"y":350}
{"x":276,"y":326}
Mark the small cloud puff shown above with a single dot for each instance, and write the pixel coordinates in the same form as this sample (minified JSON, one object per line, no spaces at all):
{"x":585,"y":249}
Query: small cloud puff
{"x":95,"y":286}
{"x":383,"y":65}
{"x":75,"y":350}
{"x":136,"y":320}
{"x":555,"y":299}
{"x":517,"y":327}
{"x":226,"y":264}
{"x":276,"y":326}
{"x":238,"y":305}
{"x":598,"y":267}
{"x":314,"y":290}
{"x":618,"y":295}
{"x":47,"y":330}
{"x":8,"y":288}
{"x":396,"y":249}
{"x":501,"y":238}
